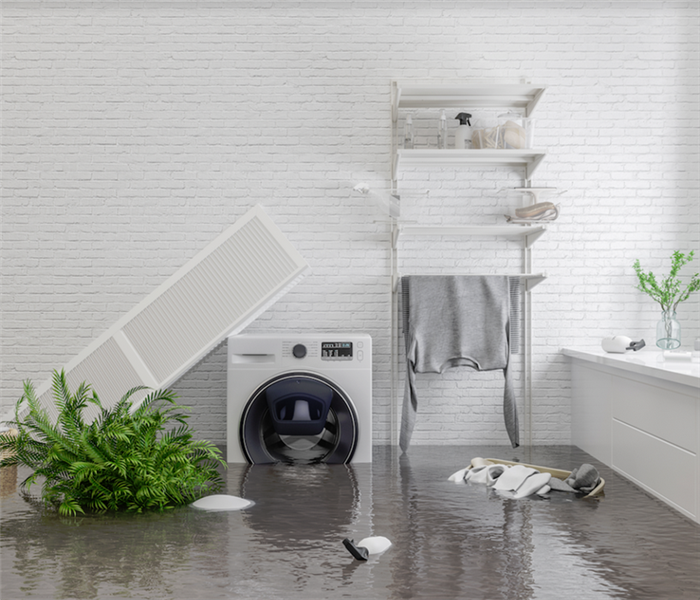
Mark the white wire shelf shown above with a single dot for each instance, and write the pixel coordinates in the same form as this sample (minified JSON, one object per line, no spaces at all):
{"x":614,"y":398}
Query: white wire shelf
{"x":529,"y":233}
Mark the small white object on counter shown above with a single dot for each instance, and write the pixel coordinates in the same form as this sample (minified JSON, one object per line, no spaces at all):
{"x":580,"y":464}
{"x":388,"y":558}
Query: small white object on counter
{"x":617,"y":344}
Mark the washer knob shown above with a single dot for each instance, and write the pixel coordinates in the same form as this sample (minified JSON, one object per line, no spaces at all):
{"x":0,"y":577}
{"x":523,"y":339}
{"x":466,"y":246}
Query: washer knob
{"x":299,"y":351}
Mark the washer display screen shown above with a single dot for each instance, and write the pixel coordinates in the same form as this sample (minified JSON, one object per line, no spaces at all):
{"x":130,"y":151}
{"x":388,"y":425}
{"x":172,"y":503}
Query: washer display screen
{"x":338,"y":350}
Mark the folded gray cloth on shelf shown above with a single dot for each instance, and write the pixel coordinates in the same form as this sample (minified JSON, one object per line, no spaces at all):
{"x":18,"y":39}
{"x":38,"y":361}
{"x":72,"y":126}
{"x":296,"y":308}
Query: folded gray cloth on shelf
{"x":452,"y":321}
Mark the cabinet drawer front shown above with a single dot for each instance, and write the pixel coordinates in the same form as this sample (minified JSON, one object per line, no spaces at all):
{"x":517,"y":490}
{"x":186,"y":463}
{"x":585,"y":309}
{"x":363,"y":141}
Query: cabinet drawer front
{"x":667,"y":414}
{"x":591,"y":421}
{"x":668,"y":471}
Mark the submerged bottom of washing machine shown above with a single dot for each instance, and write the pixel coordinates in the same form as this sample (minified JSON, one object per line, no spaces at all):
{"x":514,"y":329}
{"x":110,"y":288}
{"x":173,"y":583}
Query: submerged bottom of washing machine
{"x":299,"y":398}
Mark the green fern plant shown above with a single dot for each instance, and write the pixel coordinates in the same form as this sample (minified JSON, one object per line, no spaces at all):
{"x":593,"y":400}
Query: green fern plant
{"x":123,"y":460}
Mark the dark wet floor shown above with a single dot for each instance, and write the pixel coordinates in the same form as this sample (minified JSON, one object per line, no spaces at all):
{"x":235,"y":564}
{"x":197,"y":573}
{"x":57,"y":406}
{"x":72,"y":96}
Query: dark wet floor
{"x":449,"y":541}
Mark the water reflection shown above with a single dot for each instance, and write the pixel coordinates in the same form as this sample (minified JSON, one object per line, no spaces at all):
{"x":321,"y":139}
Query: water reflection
{"x":74,"y":557}
{"x":305,"y":504}
{"x":449,"y":541}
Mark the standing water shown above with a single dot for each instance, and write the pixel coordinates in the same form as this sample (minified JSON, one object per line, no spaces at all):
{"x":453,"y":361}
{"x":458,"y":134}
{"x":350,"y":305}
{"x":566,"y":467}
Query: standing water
{"x":448,"y":540}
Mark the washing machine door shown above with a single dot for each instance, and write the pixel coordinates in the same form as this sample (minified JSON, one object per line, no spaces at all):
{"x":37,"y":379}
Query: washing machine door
{"x":297,"y":418}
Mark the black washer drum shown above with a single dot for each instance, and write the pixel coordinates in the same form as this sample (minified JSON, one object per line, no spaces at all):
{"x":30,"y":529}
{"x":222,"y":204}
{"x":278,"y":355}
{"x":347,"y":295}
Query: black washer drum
{"x":335,"y":444}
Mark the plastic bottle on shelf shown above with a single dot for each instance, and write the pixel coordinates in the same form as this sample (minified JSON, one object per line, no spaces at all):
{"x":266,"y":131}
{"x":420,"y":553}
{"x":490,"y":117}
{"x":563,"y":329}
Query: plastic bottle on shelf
{"x":442,"y":131}
{"x":463,"y":136}
{"x":408,"y":132}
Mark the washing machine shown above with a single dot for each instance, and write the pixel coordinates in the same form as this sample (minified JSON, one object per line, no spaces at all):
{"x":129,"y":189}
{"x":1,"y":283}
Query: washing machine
{"x":299,"y":398}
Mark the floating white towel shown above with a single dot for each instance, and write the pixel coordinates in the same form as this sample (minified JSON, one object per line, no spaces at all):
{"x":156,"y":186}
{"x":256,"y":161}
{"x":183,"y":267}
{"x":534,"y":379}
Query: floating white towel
{"x":545,"y":490}
{"x":532,"y":485}
{"x":458,"y":477}
{"x":486,"y":475}
{"x":513,"y":478}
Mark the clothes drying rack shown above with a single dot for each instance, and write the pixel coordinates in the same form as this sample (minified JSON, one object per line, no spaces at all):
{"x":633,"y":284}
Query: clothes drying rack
{"x":529,"y":234}
{"x":521,"y":97}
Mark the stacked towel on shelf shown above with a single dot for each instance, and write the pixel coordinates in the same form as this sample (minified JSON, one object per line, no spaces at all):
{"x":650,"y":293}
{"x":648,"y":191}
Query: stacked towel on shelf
{"x":452,"y":321}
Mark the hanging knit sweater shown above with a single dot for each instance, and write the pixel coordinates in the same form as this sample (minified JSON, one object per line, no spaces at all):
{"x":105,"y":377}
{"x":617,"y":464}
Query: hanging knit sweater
{"x":452,"y":321}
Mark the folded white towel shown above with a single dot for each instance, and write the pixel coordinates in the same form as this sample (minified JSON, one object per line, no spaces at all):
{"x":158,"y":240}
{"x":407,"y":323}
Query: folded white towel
{"x":532,"y":485}
{"x":485,"y":475}
{"x":494,"y":473}
{"x":513,"y":478}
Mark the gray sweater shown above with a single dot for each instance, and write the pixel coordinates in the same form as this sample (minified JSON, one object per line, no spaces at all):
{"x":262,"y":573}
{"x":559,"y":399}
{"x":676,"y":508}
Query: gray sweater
{"x":452,"y":321}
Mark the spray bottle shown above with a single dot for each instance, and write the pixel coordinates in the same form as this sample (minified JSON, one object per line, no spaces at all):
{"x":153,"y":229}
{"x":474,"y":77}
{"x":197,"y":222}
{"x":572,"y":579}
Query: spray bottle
{"x":463,"y":135}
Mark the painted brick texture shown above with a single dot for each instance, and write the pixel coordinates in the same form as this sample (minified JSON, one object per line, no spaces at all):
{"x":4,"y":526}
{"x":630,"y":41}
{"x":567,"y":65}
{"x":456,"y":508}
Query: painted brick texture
{"x":133,"y":135}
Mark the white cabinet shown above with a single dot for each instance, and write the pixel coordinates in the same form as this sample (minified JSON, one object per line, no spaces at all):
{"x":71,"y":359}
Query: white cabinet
{"x":641,"y":416}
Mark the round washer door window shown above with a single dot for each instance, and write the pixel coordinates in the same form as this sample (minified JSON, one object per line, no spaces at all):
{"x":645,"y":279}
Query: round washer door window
{"x":264,"y":441}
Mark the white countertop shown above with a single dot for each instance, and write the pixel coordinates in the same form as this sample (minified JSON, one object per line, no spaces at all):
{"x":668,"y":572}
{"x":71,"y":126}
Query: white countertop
{"x":647,"y":361}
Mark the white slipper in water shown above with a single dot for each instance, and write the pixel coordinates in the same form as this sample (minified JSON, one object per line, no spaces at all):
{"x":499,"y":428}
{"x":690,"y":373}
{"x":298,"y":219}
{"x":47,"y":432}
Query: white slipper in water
{"x":369,"y":545}
{"x":375,"y":545}
{"x":217,"y":502}
{"x":532,"y":484}
{"x":513,"y":478}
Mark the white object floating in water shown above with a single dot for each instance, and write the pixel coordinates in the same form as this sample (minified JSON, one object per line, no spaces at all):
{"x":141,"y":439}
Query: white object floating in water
{"x":221,"y":502}
{"x":513,"y":478}
{"x":532,"y":485}
{"x":458,"y":477}
{"x":375,"y":545}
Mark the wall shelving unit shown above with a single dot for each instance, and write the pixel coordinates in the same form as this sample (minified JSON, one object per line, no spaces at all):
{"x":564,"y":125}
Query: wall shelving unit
{"x":522,"y":98}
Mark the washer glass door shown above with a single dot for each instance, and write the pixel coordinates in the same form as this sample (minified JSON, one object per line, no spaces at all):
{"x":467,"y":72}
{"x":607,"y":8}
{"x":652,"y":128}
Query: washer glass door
{"x":264,"y":441}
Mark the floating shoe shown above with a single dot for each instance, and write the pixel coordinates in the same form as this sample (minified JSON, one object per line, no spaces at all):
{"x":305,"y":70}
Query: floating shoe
{"x":369,"y":545}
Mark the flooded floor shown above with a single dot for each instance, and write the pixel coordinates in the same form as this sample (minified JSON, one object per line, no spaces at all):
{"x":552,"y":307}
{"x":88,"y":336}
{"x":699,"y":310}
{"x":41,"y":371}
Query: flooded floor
{"x":449,"y":541}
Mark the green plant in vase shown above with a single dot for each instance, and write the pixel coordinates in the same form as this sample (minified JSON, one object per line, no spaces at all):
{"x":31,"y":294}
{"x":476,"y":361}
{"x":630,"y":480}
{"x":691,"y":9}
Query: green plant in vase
{"x":123,"y":460}
{"x":669,"y":293}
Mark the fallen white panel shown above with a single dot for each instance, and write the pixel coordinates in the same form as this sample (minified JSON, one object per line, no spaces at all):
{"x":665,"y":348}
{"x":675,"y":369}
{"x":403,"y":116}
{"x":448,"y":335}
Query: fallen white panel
{"x":216,"y":294}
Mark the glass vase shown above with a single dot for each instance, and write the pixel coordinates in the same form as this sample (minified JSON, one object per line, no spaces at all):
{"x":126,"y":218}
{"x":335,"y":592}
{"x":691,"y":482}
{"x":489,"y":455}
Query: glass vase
{"x":668,"y":331}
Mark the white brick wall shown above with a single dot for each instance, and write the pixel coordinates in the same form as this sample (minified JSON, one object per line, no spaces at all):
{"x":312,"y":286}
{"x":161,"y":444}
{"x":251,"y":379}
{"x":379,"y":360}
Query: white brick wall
{"x":133,"y":135}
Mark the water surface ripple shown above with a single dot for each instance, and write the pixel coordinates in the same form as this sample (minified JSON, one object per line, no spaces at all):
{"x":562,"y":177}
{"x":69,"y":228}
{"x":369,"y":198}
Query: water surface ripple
{"x":449,"y":541}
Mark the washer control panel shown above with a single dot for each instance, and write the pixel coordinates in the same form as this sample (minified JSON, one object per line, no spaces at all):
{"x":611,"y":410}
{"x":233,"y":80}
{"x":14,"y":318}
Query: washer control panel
{"x":336,"y":350}
{"x":333,"y":351}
